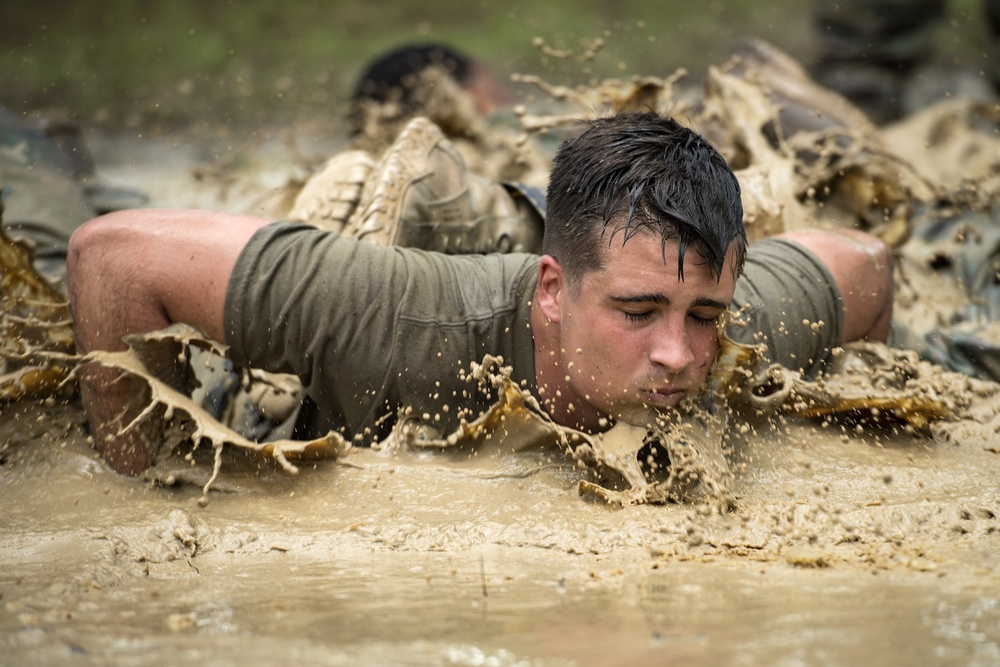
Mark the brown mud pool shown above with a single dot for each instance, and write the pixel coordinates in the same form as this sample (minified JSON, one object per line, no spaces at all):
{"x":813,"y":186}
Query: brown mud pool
{"x":872,"y":548}
{"x":846,"y":537}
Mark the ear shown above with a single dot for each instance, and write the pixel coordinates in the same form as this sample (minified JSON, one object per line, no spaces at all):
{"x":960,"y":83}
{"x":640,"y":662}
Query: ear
{"x":551,"y":287}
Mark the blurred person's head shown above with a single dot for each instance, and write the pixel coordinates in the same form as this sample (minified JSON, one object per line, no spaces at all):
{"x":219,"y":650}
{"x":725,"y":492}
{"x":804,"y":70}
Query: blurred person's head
{"x":412,"y":80}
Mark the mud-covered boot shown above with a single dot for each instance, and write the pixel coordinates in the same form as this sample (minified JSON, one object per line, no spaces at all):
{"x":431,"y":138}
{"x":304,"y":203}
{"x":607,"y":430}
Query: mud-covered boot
{"x":422,"y":195}
{"x":330,"y":196}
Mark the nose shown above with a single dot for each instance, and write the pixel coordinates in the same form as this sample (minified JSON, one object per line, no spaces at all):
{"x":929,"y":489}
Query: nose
{"x":670,"y":348}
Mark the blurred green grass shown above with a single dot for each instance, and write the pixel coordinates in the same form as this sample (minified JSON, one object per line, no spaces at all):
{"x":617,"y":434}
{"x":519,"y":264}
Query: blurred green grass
{"x":160,"y":63}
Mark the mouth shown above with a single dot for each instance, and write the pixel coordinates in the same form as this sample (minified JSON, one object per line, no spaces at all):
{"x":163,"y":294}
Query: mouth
{"x":663,"y":396}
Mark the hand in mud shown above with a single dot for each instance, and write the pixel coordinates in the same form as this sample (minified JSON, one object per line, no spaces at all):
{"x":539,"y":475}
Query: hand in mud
{"x":114,"y":402}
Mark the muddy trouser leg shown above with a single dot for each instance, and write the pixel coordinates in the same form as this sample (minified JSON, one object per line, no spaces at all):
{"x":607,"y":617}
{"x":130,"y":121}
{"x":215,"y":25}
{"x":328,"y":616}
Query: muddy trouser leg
{"x":868,"y":47}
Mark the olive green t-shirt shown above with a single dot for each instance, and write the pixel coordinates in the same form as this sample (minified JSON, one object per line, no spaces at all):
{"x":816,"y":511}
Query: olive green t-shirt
{"x":791,"y":303}
{"x":371,"y":330}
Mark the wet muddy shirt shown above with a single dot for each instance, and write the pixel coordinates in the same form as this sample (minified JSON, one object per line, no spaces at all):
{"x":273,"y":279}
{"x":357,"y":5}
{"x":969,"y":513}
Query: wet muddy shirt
{"x":370,"y":330}
{"x":790,"y":303}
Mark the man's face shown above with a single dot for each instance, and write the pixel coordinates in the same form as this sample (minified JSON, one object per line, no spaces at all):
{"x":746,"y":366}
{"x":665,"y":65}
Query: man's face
{"x":633,"y":336}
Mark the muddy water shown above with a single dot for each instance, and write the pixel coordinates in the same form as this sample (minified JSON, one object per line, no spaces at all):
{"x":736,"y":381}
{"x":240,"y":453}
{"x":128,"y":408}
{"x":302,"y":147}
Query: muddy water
{"x":875,"y":552}
{"x":846,"y":547}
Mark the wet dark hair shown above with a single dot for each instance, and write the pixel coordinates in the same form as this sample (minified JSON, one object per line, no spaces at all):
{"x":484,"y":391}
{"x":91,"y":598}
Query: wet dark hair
{"x":395,"y":76}
{"x":636,"y":172}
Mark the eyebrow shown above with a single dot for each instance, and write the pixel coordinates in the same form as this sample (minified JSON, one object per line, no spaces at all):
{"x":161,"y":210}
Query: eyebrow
{"x":663,"y":300}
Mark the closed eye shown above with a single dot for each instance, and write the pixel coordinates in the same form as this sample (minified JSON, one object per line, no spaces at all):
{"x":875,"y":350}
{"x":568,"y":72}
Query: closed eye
{"x":705,"y":321}
{"x":638,"y":317}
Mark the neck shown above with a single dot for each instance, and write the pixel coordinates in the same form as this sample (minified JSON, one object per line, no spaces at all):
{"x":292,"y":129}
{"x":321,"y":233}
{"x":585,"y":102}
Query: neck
{"x":559,"y":399}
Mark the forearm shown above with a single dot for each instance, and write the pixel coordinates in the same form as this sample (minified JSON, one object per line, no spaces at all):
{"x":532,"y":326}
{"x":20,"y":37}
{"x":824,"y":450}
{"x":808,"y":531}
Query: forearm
{"x":135,"y":272}
{"x":110,"y":298}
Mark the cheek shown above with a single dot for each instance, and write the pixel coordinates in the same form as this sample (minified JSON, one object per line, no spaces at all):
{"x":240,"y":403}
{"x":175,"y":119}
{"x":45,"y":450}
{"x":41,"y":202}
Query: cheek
{"x":600,"y":328}
{"x":704,"y":346}
{"x":606,"y":345}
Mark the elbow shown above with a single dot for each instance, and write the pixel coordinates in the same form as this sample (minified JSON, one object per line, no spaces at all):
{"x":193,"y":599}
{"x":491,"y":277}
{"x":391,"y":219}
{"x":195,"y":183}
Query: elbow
{"x":97,"y":231}
{"x":99,"y":260}
{"x":87,"y":242}
{"x":871,"y":297}
{"x":884,"y":292}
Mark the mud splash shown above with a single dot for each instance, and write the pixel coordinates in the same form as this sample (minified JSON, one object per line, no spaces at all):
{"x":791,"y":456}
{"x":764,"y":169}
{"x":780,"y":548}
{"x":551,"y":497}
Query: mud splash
{"x":36,"y":337}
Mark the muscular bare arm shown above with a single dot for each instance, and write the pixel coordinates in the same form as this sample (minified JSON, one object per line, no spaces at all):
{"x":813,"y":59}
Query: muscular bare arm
{"x":861,"y":265}
{"x":138,"y":271}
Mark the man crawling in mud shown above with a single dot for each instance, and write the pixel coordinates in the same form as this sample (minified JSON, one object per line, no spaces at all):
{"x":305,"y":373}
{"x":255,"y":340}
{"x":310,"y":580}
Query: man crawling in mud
{"x":644,"y":252}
